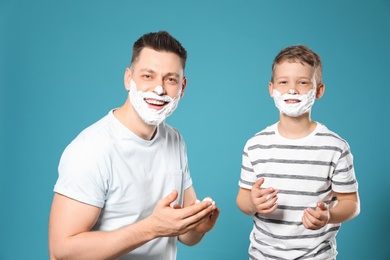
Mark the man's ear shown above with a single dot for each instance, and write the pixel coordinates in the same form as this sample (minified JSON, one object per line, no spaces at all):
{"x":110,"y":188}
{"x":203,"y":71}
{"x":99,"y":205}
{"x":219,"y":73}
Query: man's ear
{"x":127,"y":78}
{"x":320,"y":90}
{"x":271,"y":89}
{"x":183,"y":86}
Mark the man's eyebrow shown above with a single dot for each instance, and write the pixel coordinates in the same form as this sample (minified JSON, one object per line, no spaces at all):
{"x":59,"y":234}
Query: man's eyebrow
{"x":173,"y":74}
{"x":147,"y":70}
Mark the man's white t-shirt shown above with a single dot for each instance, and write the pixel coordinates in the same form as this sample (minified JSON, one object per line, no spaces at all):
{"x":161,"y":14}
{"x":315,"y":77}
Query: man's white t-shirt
{"x":110,"y":167}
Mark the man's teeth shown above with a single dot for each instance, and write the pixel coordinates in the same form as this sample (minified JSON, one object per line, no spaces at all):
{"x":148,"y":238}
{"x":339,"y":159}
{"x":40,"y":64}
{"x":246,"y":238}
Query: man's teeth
{"x":155,"y":102}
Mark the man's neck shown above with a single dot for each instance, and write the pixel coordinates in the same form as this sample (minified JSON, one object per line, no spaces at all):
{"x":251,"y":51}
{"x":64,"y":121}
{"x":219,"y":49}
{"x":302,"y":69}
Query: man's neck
{"x":130,"y":119}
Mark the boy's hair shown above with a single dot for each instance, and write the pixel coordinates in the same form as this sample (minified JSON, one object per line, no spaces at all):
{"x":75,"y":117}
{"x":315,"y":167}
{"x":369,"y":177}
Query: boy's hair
{"x":302,"y":54}
{"x":159,"y":41}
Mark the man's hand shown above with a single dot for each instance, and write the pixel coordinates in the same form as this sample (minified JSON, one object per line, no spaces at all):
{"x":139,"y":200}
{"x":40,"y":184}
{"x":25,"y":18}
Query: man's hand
{"x":316,"y":219}
{"x":168,"y":221}
{"x":209,"y":220}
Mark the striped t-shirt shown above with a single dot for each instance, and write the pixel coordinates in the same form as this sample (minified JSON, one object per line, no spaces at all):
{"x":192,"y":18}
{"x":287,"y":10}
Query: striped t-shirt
{"x":305,"y":171}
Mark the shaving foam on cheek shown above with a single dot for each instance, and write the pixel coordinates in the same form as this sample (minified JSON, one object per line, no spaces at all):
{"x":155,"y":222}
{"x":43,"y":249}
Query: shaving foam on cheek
{"x":305,"y":103}
{"x":148,"y":115}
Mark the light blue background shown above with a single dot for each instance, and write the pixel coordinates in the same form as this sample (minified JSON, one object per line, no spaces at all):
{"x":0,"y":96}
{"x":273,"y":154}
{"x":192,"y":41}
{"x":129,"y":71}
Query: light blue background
{"x":61,"y":69}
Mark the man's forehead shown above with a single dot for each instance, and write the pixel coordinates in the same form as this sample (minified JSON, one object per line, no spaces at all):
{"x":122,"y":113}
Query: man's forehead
{"x":151,"y":71}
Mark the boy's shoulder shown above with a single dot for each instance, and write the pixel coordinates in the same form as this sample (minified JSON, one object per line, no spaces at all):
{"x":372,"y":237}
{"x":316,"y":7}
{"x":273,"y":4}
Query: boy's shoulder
{"x":266,"y":133}
{"x":331,"y":137}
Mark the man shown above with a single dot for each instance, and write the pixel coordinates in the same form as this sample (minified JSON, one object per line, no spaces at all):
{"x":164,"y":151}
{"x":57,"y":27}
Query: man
{"x":124,"y":188}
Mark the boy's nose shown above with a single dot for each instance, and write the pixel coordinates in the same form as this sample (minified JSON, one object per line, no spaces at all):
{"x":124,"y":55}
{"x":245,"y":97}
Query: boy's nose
{"x":292,"y":91}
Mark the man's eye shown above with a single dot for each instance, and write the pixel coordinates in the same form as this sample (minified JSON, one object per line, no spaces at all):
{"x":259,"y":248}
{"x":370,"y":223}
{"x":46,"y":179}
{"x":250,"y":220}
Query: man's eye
{"x":172,"y":80}
{"x":146,"y":76}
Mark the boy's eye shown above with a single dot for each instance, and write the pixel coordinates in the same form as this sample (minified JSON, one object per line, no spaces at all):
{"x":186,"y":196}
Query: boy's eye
{"x":283,"y":82}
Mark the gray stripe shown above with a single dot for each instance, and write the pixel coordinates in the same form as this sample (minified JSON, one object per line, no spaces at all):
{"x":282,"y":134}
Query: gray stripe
{"x":278,"y":221}
{"x":344,"y":183}
{"x":295,"y":177}
{"x":332,"y":164}
{"x":306,"y":193}
{"x":329,"y":135}
{"x":247,"y":182}
{"x":332,"y":229}
{"x":344,"y":169}
{"x":265,"y":133}
{"x":301,"y":208}
{"x":326,"y":247}
{"x":296,"y":147}
{"x":247,"y":169}
{"x":345,"y":154}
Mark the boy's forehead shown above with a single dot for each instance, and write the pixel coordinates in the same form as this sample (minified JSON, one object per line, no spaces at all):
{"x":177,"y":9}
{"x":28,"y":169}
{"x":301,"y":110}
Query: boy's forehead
{"x":294,"y":67}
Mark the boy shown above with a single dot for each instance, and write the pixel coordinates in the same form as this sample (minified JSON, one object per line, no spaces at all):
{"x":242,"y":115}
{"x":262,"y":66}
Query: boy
{"x":297,"y":177}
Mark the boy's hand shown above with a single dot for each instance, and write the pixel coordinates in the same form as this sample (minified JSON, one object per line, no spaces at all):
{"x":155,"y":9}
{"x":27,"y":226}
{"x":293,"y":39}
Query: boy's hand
{"x":316,"y":219}
{"x":264,"y":200}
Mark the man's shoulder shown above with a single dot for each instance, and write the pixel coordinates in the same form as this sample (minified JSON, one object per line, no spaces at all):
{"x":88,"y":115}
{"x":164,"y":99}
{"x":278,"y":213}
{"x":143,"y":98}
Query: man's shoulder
{"x":93,"y":136}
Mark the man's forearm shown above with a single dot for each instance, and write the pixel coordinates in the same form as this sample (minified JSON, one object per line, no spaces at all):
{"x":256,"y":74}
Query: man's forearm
{"x":191,"y":238}
{"x":102,"y":245}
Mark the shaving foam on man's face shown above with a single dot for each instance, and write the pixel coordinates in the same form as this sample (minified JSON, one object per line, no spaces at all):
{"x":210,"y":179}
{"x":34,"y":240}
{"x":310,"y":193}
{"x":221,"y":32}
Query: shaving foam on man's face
{"x":141,"y":100}
{"x":292,"y":104}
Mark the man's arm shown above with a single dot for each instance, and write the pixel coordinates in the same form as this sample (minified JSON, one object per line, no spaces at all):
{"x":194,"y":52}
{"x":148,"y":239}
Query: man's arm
{"x":205,"y":224}
{"x":70,"y":223}
{"x":70,"y":237}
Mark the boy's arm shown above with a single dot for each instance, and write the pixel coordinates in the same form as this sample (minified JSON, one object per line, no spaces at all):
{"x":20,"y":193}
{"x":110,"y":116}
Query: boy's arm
{"x":348,"y":207}
{"x":244,"y":202}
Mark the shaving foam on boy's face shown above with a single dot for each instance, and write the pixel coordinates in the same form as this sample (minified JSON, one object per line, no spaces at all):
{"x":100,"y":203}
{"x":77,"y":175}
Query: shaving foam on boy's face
{"x":141,"y":100}
{"x":301,"y":104}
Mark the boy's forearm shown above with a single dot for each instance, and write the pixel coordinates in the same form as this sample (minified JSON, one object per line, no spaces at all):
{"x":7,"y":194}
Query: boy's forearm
{"x":244,"y":202}
{"x":347,"y":208}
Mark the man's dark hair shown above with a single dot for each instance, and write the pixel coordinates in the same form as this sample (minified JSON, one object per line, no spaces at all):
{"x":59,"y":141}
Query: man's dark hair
{"x":159,"y":41}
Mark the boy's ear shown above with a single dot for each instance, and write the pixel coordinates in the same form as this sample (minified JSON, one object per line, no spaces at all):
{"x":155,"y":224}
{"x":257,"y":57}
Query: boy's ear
{"x":320,"y":90}
{"x":271,"y":89}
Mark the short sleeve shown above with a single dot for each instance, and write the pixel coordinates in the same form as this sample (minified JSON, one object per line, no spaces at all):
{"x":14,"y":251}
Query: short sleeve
{"x":81,"y":174}
{"x":248,"y":176}
{"x":344,"y":179}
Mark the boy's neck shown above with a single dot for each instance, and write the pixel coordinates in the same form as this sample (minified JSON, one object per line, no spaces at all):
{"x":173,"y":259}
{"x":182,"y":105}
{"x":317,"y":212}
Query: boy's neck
{"x":296,"y":127}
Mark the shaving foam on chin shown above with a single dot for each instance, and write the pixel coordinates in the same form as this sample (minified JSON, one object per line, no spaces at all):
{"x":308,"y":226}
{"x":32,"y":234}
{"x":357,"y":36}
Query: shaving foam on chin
{"x":294,"y":109}
{"x":148,"y":115}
